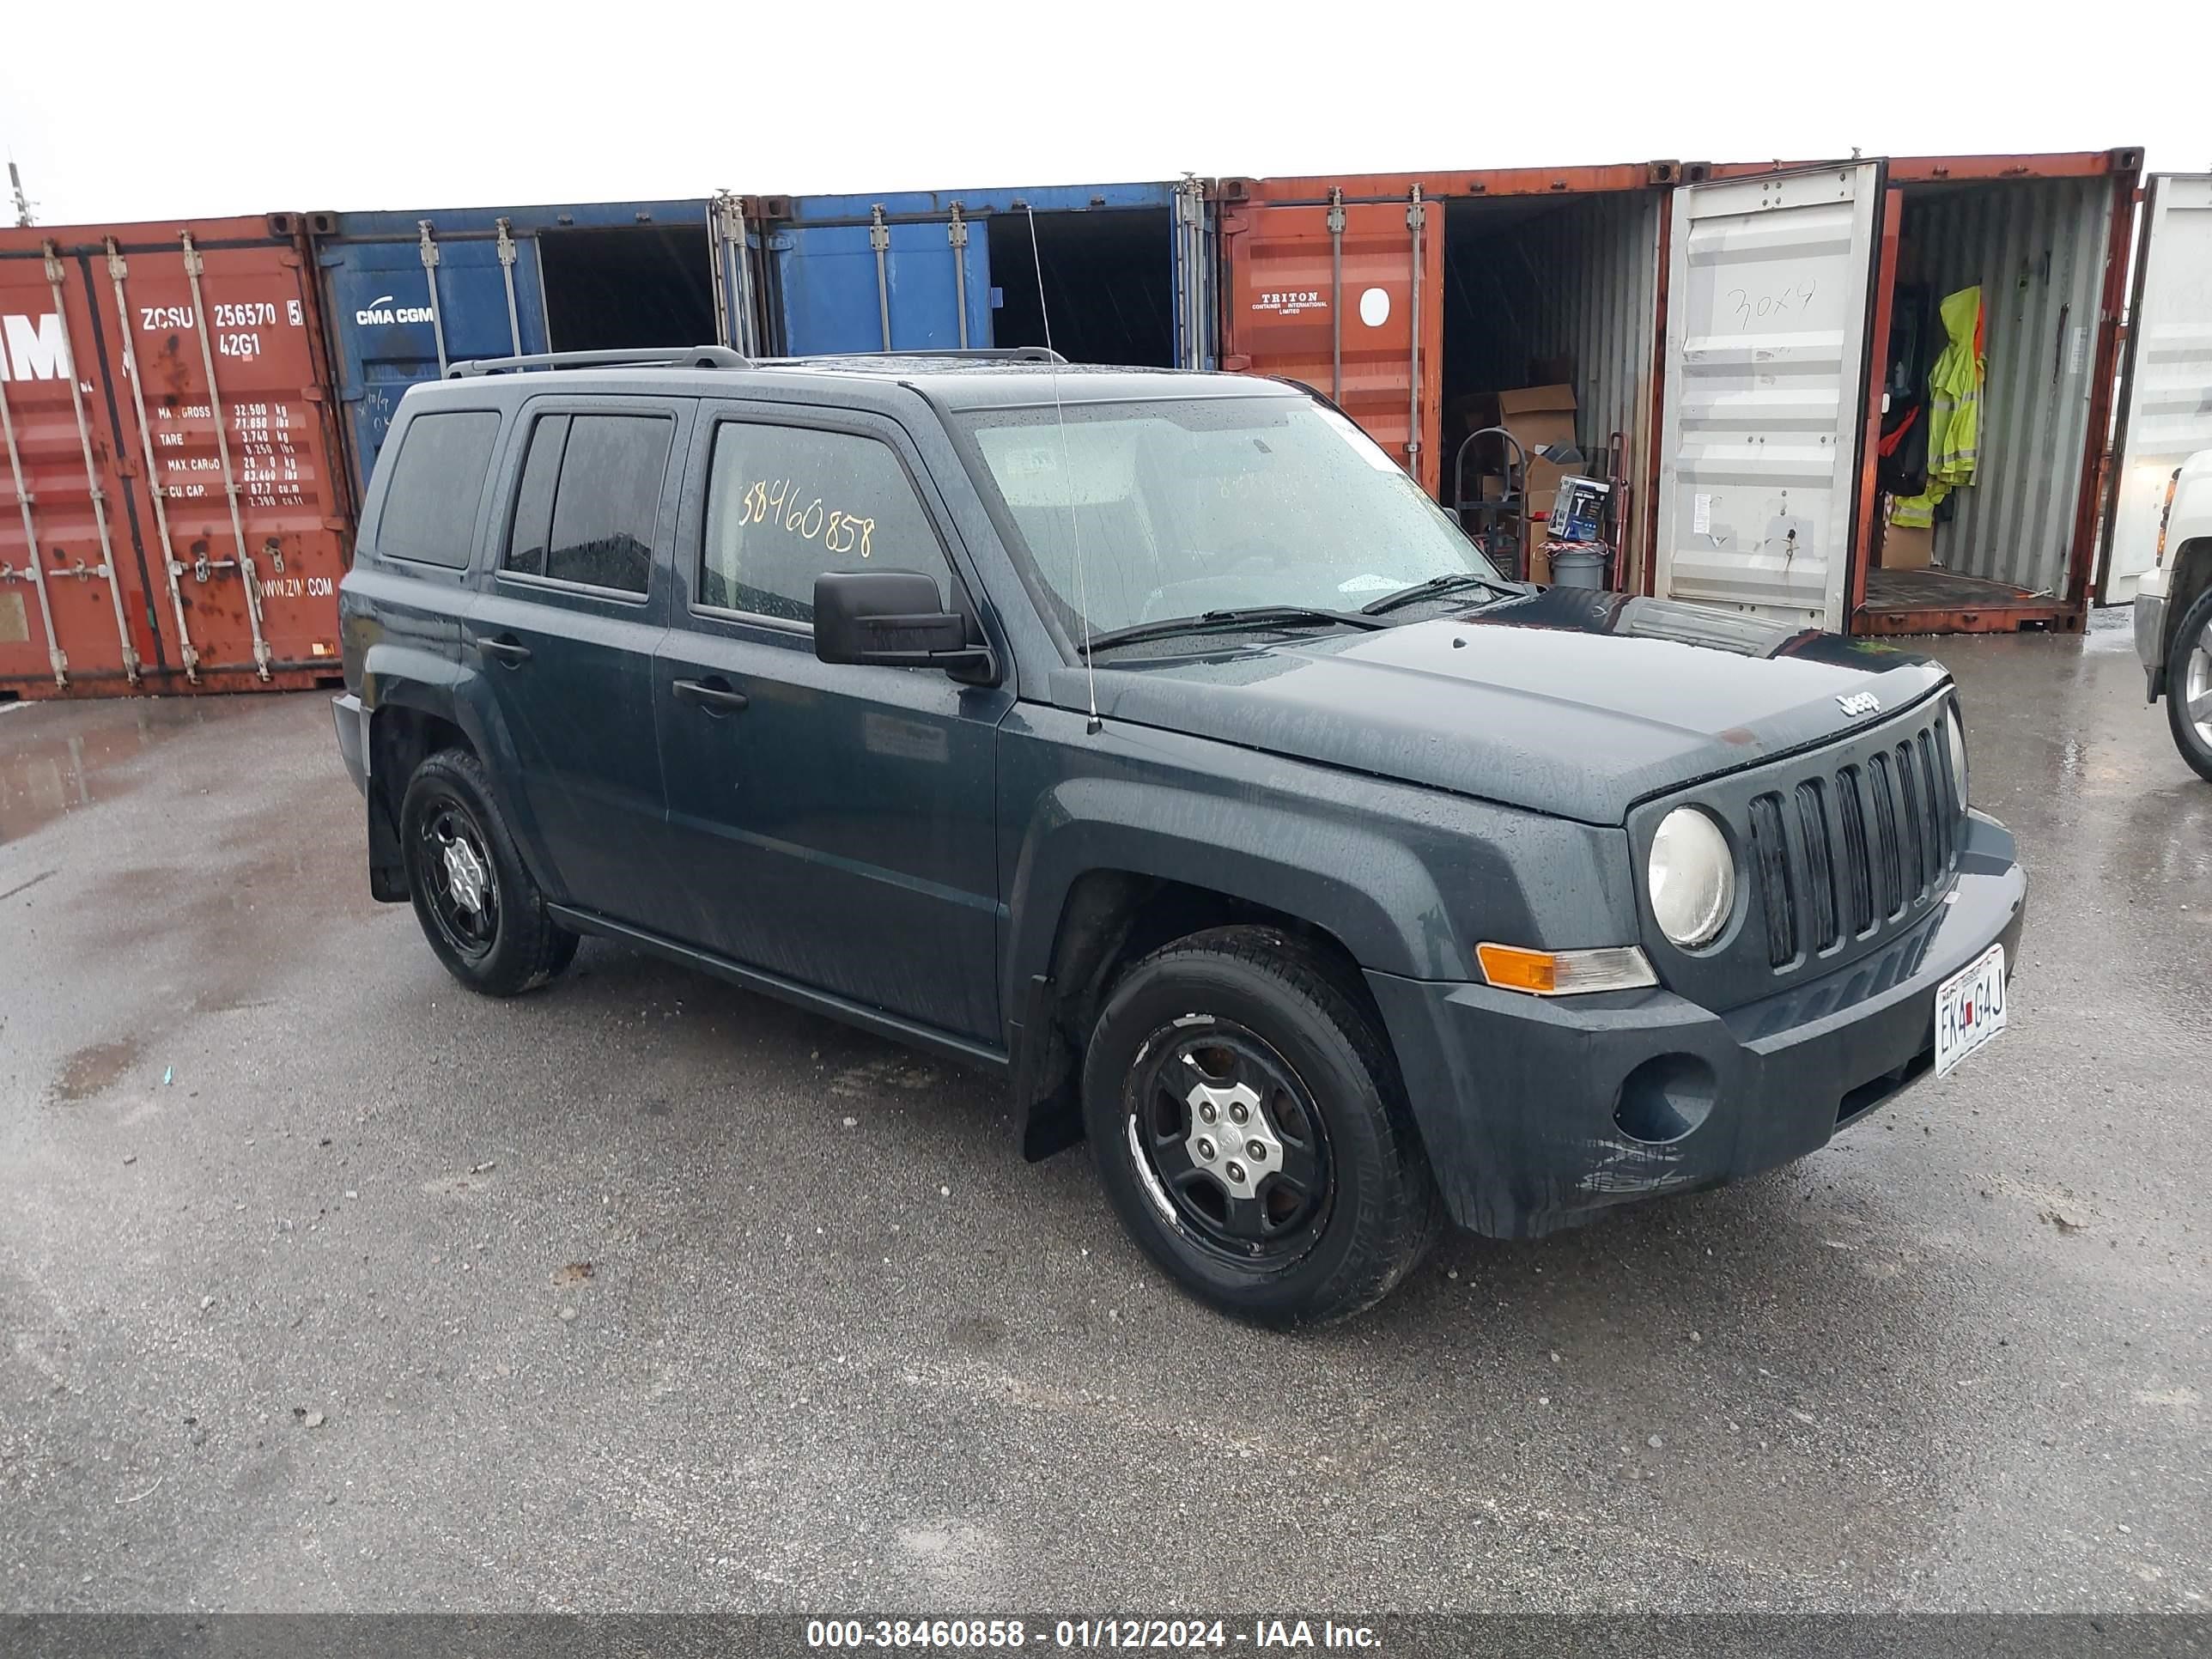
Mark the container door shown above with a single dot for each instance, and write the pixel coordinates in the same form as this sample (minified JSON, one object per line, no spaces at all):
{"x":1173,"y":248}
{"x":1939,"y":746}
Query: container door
{"x":1769,"y":286}
{"x":1342,"y":297}
{"x":886,"y":284}
{"x":73,"y":615}
{"x":731,"y":245}
{"x":215,"y":364}
{"x":402,"y":311}
{"x":1194,"y":277}
{"x":2166,"y":388}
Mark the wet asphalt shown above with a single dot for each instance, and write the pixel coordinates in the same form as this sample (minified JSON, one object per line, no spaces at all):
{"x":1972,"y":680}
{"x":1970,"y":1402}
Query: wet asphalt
{"x":324,"y":1285}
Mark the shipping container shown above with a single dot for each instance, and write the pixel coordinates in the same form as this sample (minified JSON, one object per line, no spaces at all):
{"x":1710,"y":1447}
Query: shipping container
{"x":1413,"y":300}
{"x":175,"y":517}
{"x":1727,"y":331}
{"x":1126,"y":271}
{"x":409,"y":293}
{"x":2166,"y":410}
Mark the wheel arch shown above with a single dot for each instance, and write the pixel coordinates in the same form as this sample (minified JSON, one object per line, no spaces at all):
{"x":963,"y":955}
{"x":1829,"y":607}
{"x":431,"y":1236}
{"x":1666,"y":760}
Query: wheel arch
{"x":1096,"y":893}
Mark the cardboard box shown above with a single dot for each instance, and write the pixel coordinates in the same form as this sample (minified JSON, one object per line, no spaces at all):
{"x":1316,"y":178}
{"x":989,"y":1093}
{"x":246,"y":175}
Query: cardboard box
{"x":1540,"y":417}
{"x":1906,"y":547}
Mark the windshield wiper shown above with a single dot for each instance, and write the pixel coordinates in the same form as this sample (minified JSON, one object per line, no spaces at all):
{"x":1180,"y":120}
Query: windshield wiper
{"x":1450,"y":582}
{"x":1247,"y":615}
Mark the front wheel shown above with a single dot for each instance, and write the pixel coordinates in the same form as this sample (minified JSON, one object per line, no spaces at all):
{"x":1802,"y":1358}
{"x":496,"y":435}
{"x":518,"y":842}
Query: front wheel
{"x":481,"y":913}
{"x":2189,"y":686}
{"x":1251,"y":1130}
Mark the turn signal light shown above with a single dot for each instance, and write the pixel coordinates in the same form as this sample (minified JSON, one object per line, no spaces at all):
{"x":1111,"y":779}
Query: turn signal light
{"x":1565,"y":973}
{"x":2165,"y":512}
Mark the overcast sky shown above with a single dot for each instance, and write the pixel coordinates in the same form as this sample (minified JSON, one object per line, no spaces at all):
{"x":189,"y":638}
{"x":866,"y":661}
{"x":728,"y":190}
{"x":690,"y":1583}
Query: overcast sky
{"x":164,"y":111}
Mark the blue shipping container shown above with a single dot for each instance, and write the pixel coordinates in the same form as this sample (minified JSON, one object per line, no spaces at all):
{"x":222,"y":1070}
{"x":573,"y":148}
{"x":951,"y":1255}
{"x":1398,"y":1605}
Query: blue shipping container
{"x":409,"y":293}
{"x":1127,"y":272}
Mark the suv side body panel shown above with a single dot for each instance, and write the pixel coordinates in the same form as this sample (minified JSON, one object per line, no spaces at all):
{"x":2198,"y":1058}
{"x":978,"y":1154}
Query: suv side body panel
{"x":577,"y":711}
{"x":837,"y":829}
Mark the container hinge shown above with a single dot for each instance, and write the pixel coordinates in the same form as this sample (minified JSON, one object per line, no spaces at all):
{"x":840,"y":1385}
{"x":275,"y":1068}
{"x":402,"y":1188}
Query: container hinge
{"x":1417,"y":213}
{"x":425,"y":245}
{"x":879,"y":234}
{"x":957,"y":231}
{"x":118,"y":266}
{"x":54,"y":263}
{"x":1335,"y":211}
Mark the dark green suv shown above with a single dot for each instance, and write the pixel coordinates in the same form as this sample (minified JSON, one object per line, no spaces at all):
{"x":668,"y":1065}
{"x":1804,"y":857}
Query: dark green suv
{"x":1151,"y":740}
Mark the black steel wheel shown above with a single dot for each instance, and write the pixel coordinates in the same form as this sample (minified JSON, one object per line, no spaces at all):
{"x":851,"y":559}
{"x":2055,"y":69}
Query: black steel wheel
{"x":1249,"y":1127}
{"x":478,"y":907}
{"x":464,"y":889}
{"x":1229,"y":1139}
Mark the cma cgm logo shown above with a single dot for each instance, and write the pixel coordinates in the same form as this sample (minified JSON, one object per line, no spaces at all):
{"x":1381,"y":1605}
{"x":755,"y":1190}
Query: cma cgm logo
{"x":34,"y":348}
{"x":381,"y":311}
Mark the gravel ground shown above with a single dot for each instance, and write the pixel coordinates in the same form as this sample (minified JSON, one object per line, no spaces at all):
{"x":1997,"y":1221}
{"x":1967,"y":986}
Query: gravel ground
{"x":325,"y":1285}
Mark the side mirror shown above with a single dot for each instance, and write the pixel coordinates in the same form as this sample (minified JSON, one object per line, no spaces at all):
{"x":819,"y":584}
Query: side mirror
{"x":896,"y":618}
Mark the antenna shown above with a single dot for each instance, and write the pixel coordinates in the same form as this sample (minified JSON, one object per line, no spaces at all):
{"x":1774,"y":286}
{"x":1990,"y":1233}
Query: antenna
{"x":1067,"y":472}
{"x":23,"y":217}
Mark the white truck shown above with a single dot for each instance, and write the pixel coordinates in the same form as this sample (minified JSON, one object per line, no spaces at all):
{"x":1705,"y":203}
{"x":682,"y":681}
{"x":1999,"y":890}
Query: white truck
{"x":2173,"y":612}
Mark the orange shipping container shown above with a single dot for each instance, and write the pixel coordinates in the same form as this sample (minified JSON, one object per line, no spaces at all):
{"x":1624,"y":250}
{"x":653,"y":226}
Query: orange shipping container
{"x":173,"y":513}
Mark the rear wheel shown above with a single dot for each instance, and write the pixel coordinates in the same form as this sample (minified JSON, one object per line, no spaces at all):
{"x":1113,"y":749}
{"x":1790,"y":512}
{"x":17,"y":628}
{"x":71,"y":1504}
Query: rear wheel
{"x":2189,"y":686}
{"x":1250,"y":1128}
{"x":478,"y":907}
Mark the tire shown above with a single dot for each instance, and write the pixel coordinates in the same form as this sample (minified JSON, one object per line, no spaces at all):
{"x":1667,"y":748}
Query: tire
{"x":1346,"y":1206}
{"x":503,"y":943}
{"x":2192,"y":640}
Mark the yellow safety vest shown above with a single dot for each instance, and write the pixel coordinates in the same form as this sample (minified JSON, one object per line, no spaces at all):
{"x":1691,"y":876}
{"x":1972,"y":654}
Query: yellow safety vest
{"x":1954,"y":411}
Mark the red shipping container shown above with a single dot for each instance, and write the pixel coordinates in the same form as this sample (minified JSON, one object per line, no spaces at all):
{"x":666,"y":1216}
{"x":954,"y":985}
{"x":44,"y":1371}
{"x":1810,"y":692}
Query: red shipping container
{"x":174,"y":513}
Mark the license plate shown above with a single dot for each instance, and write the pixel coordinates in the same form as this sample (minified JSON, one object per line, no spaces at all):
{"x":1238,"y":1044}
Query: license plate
{"x":1970,"y":1008}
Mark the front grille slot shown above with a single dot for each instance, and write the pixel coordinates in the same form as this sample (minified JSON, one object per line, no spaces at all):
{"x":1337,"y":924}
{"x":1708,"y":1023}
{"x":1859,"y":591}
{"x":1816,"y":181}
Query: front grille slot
{"x":1771,"y":853}
{"x":1913,"y":828}
{"x":1858,"y":873}
{"x":1889,"y":871}
{"x":1821,"y":930}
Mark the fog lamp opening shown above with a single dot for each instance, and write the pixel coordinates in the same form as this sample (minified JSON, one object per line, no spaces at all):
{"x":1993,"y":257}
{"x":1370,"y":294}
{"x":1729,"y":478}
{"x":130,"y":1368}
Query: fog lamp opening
{"x":1665,"y":1098}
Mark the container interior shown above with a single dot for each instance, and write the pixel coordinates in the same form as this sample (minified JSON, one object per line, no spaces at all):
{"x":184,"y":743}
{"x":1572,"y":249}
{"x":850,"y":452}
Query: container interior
{"x":643,"y":285}
{"x":1109,"y":283}
{"x":2037,"y":248}
{"x":1543,"y":291}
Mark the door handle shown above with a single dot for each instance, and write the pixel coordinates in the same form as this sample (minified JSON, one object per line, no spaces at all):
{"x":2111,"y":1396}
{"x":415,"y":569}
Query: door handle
{"x":717,"y":697}
{"x":511,"y":652}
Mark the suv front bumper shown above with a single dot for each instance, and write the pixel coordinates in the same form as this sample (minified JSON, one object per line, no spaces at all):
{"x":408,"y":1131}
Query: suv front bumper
{"x":1522,"y":1100}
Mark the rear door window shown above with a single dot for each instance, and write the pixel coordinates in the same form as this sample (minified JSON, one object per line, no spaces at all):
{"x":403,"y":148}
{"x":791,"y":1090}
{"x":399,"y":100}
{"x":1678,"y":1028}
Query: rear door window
{"x":786,"y":503}
{"x":588,"y":508}
{"x":437,"y":483}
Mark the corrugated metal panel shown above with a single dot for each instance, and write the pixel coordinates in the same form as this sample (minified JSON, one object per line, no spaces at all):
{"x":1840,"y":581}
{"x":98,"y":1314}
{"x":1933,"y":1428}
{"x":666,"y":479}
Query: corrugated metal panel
{"x":1289,"y":314}
{"x":172,"y":503}
{"x":2037,"y":247}
{"x":1766,"y":319}
{"x":1600,"y":313}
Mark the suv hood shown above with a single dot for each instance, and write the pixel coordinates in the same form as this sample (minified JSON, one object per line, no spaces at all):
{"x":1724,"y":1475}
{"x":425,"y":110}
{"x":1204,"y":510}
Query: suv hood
{"x":1570,"y":702}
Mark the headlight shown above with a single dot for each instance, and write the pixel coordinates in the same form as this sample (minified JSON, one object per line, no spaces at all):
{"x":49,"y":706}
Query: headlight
{"x":1693,"y":877}
{"x":1955,"y":734}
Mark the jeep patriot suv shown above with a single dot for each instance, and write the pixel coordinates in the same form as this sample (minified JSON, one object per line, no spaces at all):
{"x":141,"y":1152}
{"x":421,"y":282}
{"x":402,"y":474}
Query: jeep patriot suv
{"x":1151,"y":740}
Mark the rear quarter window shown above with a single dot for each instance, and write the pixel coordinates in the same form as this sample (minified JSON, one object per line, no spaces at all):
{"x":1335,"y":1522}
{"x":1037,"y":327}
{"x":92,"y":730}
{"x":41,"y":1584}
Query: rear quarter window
{"x":437,"y":484}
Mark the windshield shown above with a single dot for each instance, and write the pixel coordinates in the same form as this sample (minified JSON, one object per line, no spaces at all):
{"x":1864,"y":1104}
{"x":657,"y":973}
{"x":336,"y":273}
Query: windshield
{"x":1209,"y":504}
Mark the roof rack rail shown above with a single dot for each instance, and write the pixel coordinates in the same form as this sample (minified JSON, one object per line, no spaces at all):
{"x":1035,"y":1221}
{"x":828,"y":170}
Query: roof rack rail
{"x":704,"y":356}
{"x":1029,"y":354}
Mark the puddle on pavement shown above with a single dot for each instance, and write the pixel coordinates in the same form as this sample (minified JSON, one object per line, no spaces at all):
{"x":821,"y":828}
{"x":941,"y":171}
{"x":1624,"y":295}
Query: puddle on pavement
{"x":57,"y":757}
